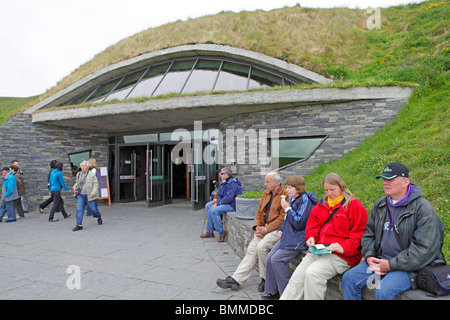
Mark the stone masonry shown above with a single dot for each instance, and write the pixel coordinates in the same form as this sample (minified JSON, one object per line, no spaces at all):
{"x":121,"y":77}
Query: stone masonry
{"x":35,"y":145}
{"x":345,"y":126}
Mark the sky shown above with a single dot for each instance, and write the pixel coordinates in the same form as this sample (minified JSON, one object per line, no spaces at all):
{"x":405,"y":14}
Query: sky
{"x":43,"y":41}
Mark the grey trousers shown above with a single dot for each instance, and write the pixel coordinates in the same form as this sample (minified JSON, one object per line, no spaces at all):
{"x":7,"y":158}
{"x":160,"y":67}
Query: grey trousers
{"x":277,"y":269}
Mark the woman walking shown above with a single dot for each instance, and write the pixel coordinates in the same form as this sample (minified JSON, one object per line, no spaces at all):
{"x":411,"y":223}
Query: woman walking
{"x":56,"y":183}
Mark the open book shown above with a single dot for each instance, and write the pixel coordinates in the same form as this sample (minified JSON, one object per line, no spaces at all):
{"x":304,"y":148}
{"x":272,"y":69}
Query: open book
{"x":319,"y":249}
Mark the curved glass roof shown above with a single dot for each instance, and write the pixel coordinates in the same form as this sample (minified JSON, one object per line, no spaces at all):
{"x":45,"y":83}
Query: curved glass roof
{"x":186,"y":75}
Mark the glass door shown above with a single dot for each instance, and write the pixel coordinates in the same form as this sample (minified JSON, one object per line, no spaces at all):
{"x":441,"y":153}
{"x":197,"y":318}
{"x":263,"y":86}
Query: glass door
{"x":159,"y":175}
{"x":131,"y":178}
{"x":202,"y":168}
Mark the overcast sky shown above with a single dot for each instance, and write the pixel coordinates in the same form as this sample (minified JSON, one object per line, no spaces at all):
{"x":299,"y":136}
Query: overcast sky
{"x":42,"y":41}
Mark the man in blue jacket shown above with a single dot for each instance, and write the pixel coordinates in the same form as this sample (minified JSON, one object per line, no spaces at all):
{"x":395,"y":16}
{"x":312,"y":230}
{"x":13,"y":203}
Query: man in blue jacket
{"x":229,"y":190}
{"x":9,"y":194}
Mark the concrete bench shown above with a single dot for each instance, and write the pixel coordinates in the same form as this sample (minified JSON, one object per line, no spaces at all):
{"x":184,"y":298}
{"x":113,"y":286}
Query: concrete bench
{"x":240,"y":234}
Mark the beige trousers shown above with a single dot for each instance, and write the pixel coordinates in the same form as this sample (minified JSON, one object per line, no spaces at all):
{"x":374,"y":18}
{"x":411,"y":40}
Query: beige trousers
{"x":257,"y":252}
{"x":309,"y":280}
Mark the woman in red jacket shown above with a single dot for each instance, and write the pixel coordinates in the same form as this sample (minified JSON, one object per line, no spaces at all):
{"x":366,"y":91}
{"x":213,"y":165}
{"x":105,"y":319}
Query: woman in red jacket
{"x":333,"y":232}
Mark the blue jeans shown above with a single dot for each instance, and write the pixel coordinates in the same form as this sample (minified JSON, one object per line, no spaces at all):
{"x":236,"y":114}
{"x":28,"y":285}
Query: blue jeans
{"x":82,"y":201}
{"x":214,"y":220}
{"x":8,"y":208}
{"x":387,"y":286}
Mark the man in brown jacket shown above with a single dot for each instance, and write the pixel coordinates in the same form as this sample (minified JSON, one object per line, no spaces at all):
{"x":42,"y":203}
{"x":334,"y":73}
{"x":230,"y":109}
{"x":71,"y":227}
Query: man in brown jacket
{"x":268,"y":218}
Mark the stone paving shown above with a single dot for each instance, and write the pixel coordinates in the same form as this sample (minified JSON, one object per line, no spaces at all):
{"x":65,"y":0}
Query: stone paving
{"x":138,"y":253}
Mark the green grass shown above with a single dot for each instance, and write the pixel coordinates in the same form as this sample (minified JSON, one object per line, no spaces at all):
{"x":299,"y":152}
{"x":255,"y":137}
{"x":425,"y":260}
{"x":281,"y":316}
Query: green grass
{"x":412,"y":46}
{"x":10,"y":106}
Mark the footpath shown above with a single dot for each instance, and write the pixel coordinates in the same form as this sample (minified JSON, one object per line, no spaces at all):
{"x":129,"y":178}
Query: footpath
{"x":138,"y":253}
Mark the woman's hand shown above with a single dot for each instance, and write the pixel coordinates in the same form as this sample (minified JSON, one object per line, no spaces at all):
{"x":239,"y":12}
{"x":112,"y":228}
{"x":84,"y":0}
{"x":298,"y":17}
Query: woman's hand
{"x":310,"y":242}
{"x":336,"y":247}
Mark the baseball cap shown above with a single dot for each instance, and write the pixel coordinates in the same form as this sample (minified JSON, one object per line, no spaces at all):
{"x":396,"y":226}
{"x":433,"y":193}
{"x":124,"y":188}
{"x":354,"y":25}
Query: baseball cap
{"x":393,"y":170}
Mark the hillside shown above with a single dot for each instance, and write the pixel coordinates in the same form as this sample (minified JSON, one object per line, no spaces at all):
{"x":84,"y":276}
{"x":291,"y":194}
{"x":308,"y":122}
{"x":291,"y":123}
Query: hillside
{"x":412,"y":46}
{"x":10,"y":106}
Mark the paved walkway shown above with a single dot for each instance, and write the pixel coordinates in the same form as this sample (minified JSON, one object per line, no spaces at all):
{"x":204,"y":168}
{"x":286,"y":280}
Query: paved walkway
{"x":138,"y":253}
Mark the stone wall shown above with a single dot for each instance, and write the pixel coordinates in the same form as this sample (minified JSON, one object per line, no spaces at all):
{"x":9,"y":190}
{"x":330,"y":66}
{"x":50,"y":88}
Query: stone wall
{"x":35,"y":145}
{"x":346,"y":124}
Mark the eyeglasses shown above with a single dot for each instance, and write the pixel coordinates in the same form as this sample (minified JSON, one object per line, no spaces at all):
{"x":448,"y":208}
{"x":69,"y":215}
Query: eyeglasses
{"x":221,"y":173}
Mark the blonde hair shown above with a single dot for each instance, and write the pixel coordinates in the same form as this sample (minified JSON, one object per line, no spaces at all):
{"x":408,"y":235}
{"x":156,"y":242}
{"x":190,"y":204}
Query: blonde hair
{"x":336,"y":180}
{"x":92,"y":163}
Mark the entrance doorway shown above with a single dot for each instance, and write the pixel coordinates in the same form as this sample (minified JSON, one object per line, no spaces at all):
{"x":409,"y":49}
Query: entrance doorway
{"x":150,"y":173}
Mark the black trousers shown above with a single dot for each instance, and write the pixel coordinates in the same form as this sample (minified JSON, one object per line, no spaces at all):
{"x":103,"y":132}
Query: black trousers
{"x":58,"y":203}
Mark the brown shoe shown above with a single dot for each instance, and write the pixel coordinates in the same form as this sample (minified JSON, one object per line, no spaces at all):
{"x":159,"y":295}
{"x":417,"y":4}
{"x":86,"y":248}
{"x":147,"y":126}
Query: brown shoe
{"x":207,"y":235}
{"x":222,"y":238}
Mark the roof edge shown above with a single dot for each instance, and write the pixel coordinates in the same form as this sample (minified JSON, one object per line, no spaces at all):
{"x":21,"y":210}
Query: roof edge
{"x":116,"y":69}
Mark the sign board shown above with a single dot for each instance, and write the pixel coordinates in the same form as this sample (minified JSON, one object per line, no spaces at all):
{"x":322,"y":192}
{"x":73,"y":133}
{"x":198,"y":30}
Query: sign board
{"x":103,"y":183}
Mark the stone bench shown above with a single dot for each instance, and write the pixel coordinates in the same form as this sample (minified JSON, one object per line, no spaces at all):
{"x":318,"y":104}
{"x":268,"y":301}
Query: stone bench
{"x":240,"y":234}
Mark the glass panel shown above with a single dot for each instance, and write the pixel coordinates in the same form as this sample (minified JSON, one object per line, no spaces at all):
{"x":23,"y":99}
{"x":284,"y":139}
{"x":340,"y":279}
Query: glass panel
{"x":81,"y":97}
{"x":203,"y":76}
{"x":103,"y":90}
{"x":175,"y":78}
{"x":152,"y":77}
{"x":126,"y":85}
{"x":141,"y":138}
{"x":288,"y":82}
{"x":260,"y":78}
{"x":286,"y":151}
{"x":233,"y":76}
{"x":76,"y":158}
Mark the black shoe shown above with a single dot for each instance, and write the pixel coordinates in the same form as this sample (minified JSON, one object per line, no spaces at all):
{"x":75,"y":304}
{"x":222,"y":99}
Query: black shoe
{"x":275,"y":296}
{"x":77,"y":228}
{"x":99,"y":221}
{"x":261,"y":285}
{"x":67,"y":216}
{"x":41,"y":210}
{"x":229,"y":282}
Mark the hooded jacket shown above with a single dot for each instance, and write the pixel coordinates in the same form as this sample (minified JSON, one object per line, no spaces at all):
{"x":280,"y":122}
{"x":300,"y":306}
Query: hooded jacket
{"x":228,"y":192}
{"x":57,"y":181}
{"x":421,"y":234}
{"x":9,"y":190}
{"x":346,"y":227}
{"x":293,"y":228}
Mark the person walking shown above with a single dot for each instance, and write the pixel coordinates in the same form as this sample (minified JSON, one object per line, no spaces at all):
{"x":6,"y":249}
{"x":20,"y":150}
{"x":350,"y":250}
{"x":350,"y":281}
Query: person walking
{"x":56,"y":184}
{"x":50,"y":199}
{"x":86,"y":186}
{"x":9,"y":195}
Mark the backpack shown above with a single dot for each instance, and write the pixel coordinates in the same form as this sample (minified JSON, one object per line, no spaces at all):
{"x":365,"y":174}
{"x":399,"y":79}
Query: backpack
{"x":435,"y":278}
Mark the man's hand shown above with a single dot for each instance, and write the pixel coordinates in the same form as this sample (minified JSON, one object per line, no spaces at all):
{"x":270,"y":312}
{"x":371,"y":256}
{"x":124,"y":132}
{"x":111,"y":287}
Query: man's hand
{"x":379,"y":266}
{"x":260,"y":232}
